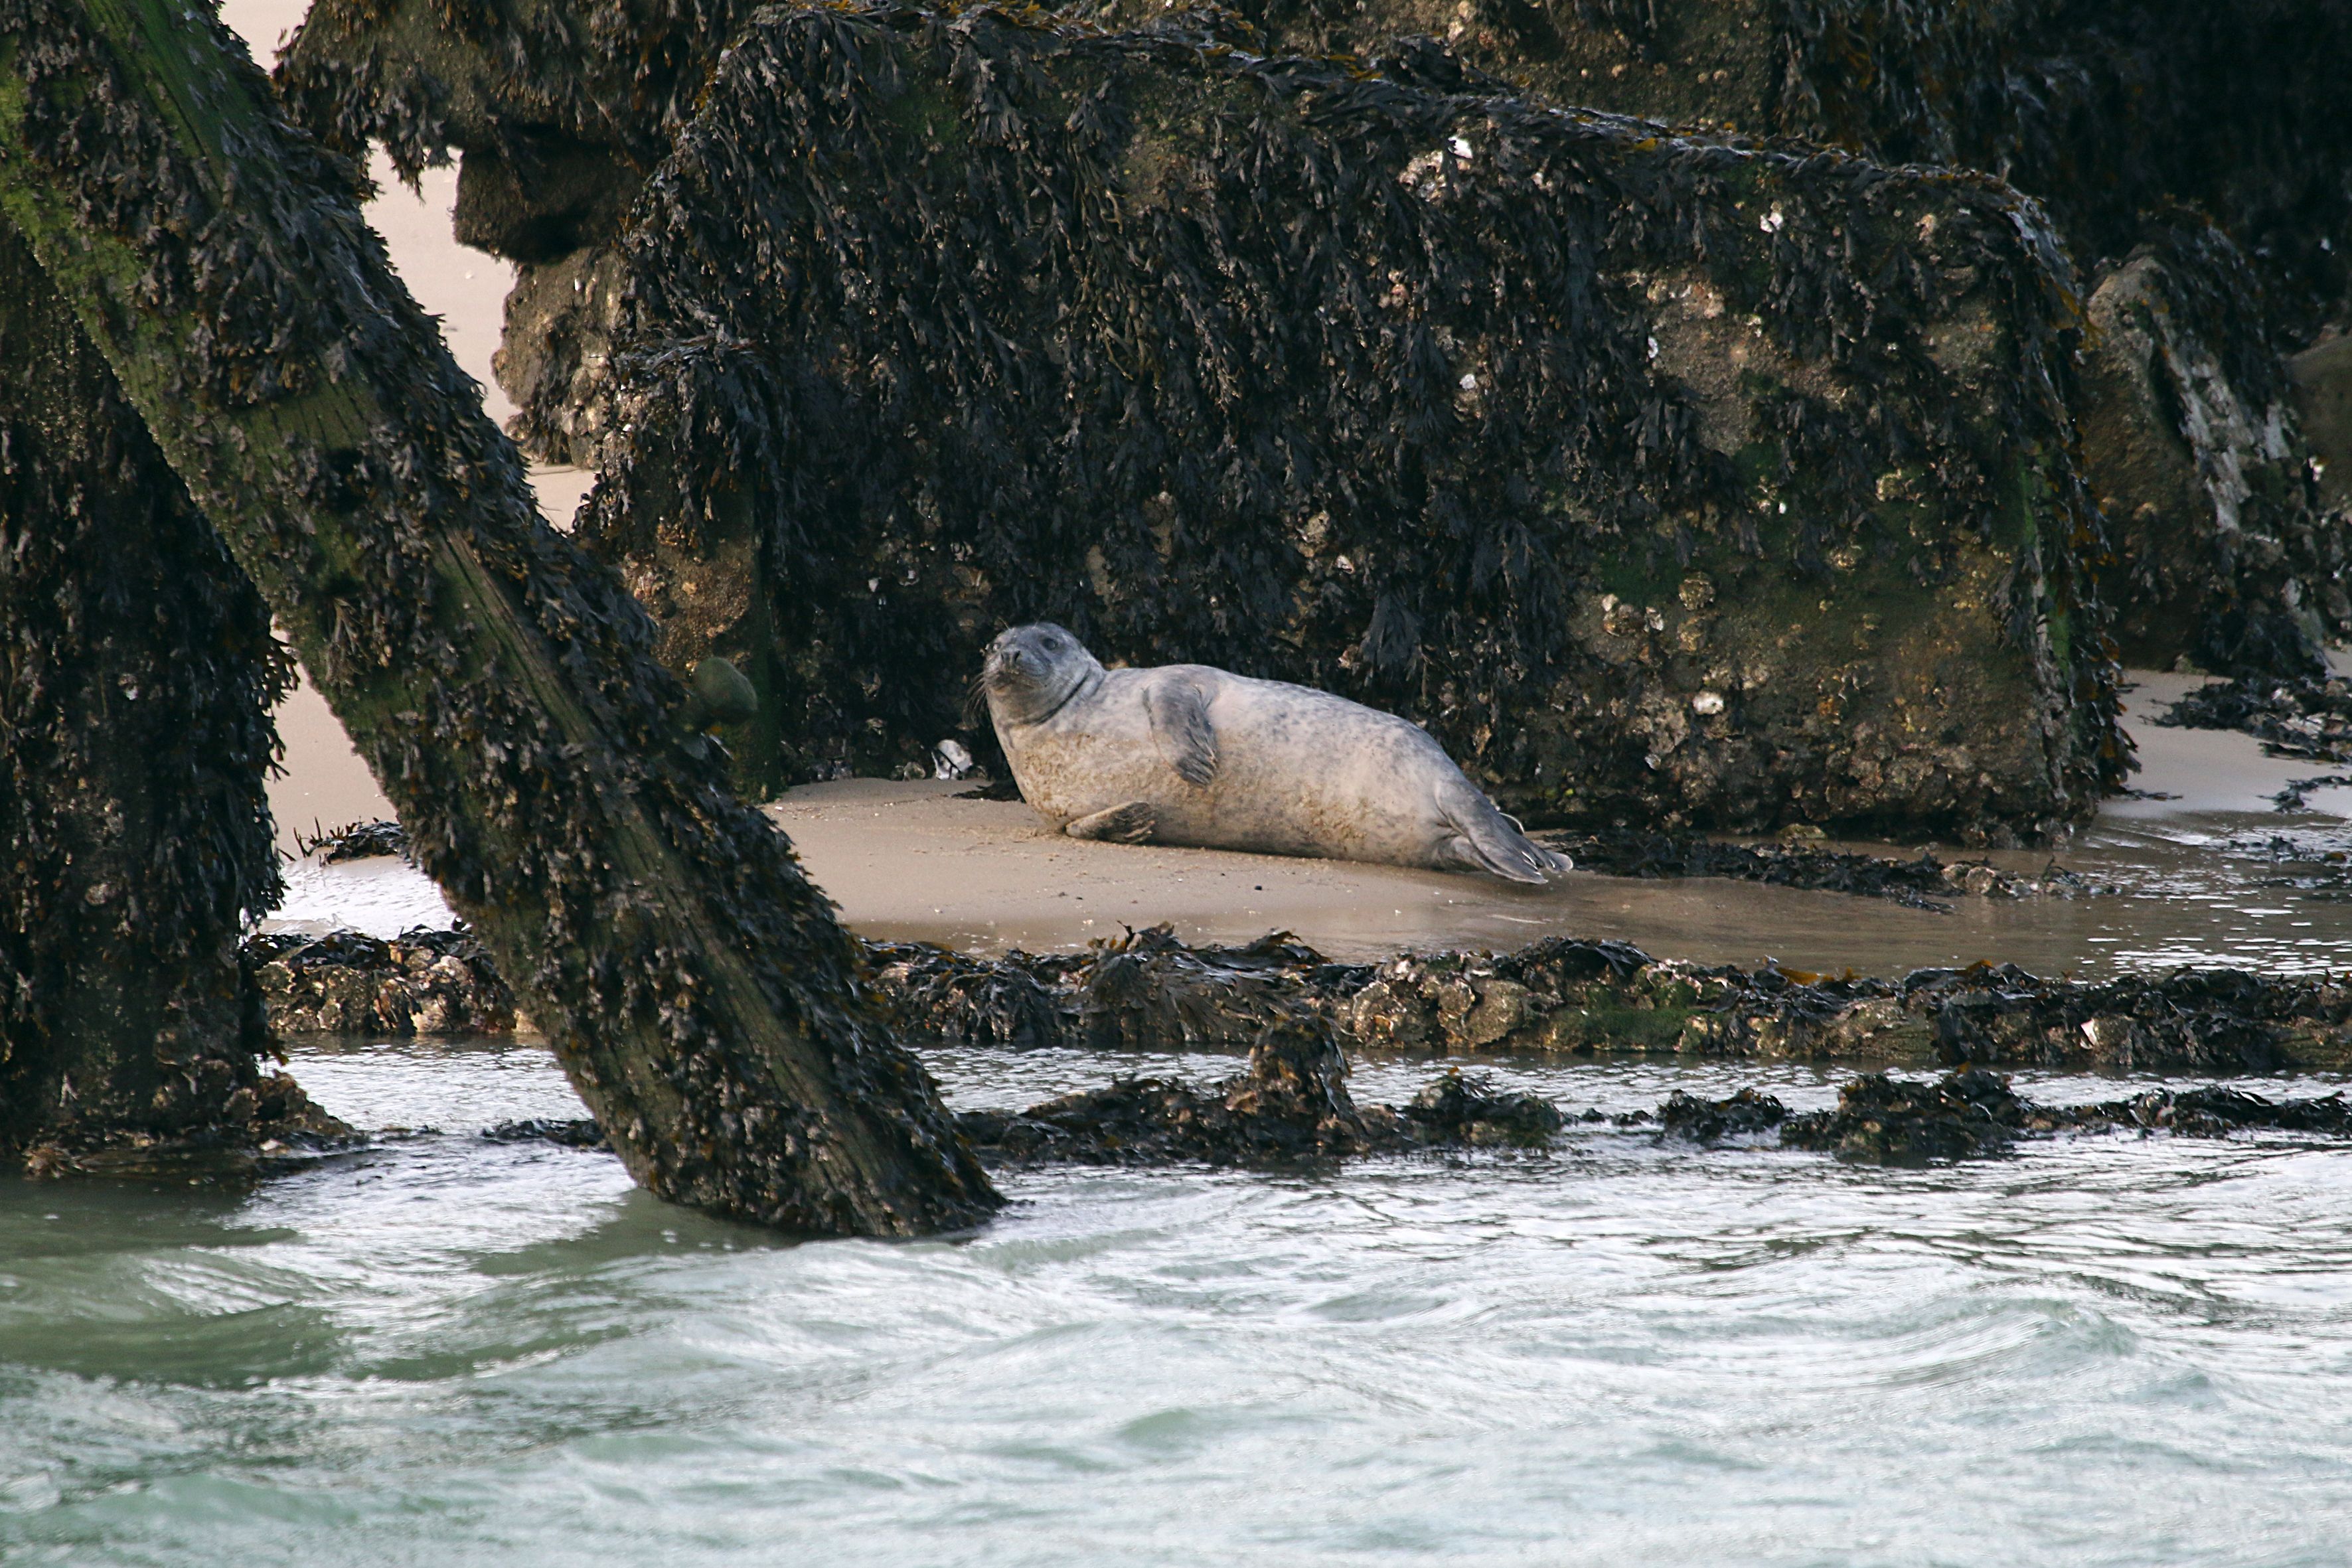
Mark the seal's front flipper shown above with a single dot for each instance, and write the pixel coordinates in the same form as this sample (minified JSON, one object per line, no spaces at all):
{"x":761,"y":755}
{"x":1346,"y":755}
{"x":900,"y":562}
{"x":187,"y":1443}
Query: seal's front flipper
{"x":1180,"y":723}
{"x":1129,"y":824}
{"x":1486,"y":840}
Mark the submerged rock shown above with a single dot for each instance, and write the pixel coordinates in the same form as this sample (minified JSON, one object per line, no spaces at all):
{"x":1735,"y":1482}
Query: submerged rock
{"x":1290,"y":1103}
{"x":1664,"y":476}
{"x":577,"y":1132}
{"x":1884,"y":1120}
{"x":1746,"y":1113}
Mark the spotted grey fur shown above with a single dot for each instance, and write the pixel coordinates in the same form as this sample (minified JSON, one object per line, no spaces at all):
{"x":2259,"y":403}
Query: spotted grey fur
{"x":1188,"y":754}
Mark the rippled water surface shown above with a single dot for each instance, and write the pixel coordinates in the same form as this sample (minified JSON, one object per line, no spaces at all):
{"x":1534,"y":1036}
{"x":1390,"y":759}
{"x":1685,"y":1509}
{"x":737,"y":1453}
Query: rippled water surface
{"x":2102,"y":1351}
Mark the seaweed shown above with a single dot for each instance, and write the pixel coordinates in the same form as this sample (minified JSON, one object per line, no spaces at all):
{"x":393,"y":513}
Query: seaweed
{"x":356,"y":841}
{"x":2298,"y":791}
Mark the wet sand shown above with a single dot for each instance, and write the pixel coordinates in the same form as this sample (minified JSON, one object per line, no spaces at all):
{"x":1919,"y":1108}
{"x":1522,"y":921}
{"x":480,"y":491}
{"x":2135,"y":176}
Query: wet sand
{"x":912,"y":861}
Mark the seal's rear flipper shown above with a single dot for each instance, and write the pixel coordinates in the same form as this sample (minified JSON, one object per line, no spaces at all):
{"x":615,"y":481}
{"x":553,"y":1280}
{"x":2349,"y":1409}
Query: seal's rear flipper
{"x":1486,"y":840}
{"x":1129,"y":824}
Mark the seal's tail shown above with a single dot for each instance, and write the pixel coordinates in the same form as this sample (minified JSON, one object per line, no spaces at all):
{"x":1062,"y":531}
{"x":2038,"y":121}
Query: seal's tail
{"x":1487,"y":840}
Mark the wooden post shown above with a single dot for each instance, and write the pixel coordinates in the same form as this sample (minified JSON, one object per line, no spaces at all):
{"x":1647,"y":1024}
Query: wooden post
{"x":135,"y":733}
{"x":698,"y":990}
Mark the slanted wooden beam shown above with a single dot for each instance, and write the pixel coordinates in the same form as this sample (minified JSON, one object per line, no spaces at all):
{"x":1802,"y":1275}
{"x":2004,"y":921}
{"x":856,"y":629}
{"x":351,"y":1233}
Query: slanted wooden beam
{"x":698,"y":990}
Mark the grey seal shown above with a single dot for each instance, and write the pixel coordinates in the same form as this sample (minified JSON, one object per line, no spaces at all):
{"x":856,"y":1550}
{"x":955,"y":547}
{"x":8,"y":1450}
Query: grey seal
{"x":1188,"y":754}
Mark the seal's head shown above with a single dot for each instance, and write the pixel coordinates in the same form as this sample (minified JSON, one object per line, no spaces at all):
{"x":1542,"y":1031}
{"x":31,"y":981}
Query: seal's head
{"x":1031,"y":670}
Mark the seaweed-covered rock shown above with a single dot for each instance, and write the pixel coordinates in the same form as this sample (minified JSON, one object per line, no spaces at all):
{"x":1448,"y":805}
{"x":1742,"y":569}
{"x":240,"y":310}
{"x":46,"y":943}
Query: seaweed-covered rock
{"x":1745,"y":1113}
{"x":2211,"y":1112}
{"x":1656,"y":475}
{"x":134,"y":734}
{"x":1567,"y":996}
{"x":2192,"y":448}
{"x":1467,"y":1107}
{"x":2106,"y":112}
{"x":420,"y":983}
{"x":2212,"y":1020}
{"x":1884,"y":1120}
{"x":2103,"y":110}
{"x":1291,"y":1102}
{"x":2309,"y":718}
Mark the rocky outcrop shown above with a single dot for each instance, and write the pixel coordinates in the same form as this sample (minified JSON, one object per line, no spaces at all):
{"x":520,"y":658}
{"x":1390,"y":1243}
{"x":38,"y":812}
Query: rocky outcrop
{"x":420,"y":983}
{"x":1664,"y":477}
{"x":2192,"y":447}
{"x":1564,"y":996}
{"x":2104,"y":110}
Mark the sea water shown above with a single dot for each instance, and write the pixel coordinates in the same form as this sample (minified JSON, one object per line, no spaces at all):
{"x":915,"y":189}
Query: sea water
{"x":2100,"y":1350}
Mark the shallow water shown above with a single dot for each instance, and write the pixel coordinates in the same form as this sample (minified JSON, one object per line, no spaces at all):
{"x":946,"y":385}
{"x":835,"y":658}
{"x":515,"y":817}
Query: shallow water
{"x":447,"y":1351}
